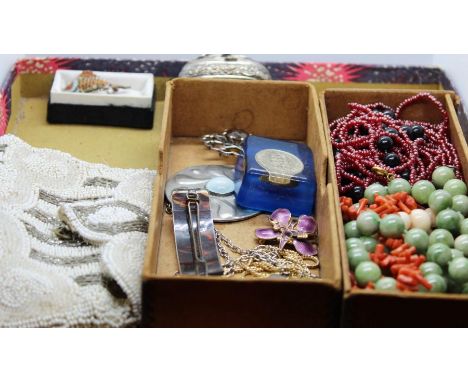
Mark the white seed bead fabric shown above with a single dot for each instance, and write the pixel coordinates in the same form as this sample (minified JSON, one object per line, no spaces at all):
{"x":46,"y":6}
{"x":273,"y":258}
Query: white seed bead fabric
{"x":72,"y":239}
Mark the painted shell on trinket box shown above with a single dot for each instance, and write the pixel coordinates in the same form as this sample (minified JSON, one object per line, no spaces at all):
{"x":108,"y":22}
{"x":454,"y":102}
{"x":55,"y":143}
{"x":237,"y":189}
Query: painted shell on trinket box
{"x":89,"y":82}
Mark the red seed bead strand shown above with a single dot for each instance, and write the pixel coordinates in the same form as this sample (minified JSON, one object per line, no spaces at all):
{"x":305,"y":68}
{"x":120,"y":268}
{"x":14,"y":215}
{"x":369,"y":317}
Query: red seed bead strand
{"x":355,"y":136}
{"x":439,"y":133}
{"x":421,"y":97}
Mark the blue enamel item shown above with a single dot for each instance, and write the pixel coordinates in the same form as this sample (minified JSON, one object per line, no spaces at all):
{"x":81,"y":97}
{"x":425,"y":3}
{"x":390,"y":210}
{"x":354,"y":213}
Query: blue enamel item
{"x":275,"y":174}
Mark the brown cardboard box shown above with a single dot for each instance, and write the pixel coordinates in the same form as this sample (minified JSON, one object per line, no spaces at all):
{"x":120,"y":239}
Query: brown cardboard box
{"x":368,"y":308}
{"x":275,"y":109}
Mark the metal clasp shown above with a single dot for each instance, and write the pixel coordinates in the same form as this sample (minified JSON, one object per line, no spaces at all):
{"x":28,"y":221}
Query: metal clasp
{"x":382,"y":172}
{"x":196,"y":248}
{"x":193,"y":219}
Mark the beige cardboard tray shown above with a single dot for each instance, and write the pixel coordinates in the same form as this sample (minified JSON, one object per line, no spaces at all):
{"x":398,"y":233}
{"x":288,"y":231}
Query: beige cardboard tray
{"x":369,"y":308}
{"x":113,"y":146}
{"x":275,"y":109}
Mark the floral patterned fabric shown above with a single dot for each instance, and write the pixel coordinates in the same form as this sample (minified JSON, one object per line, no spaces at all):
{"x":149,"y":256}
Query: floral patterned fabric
{"x":320,"y":72}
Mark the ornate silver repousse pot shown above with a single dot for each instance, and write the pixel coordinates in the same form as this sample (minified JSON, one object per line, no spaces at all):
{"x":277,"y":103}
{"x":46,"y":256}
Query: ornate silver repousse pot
{"x":227,"y":66}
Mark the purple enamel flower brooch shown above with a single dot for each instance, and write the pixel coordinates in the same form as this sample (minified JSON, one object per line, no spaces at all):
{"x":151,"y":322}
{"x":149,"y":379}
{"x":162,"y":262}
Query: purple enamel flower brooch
{"x":301,"y":233}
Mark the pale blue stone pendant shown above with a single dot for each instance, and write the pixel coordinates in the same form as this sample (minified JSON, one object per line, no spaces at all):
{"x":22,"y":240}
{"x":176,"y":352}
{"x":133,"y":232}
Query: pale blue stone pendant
{"x":220,"y":185}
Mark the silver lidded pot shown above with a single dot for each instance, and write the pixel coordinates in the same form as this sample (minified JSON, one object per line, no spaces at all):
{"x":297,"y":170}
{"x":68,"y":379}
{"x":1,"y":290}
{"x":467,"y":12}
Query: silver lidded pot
{"x":225,"y":66}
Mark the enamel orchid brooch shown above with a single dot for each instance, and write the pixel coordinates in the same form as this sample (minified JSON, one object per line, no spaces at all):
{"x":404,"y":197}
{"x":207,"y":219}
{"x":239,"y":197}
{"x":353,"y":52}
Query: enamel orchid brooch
{"x":301,"y":232}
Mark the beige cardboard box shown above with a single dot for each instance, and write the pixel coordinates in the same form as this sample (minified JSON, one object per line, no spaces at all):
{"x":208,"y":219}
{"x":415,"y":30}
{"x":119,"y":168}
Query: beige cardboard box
{"x":370,"y":308}
{"x":282,"y":110}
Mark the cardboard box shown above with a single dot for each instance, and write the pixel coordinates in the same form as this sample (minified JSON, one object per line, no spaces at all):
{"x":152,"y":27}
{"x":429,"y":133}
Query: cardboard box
{"x":368,"y":308}
{"x":276,"y":109}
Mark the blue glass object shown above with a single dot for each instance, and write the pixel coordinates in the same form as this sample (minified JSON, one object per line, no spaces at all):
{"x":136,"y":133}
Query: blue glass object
{"x":275,"y":174}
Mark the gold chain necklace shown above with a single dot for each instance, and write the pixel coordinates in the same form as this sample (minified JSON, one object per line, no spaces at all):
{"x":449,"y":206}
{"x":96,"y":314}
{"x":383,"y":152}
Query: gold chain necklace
{"x":264,"y":260}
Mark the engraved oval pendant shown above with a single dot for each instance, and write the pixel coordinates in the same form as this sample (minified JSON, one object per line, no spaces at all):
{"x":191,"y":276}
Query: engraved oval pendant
{"x":218,"y":180}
